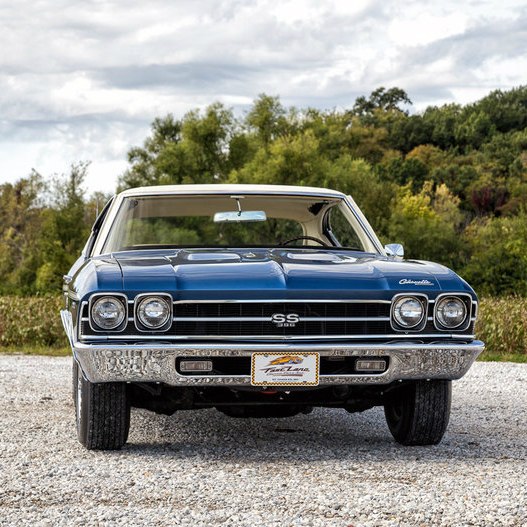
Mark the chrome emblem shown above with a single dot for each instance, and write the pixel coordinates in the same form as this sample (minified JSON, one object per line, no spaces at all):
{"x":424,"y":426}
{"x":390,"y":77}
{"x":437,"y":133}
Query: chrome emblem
{"x":405,"y":281}
{"x":285,"y":320}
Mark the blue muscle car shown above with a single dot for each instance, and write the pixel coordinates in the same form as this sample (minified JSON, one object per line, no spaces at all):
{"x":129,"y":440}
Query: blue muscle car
{"x":260,"y":301}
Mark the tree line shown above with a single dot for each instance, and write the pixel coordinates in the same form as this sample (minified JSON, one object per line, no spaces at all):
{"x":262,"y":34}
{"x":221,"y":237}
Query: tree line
{"x":449,"y":183}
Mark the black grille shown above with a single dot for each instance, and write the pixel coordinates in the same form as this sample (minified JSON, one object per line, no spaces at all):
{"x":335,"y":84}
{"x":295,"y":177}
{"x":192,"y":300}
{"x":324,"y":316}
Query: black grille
{"x":314,"y":309}
{"x":270,"y":329}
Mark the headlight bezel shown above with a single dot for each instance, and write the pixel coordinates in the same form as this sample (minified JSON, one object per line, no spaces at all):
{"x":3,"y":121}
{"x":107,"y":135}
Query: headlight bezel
{"x":143,"y":328}
{"x":422,"y":299}
{"x":119,"y":297}
{"x":466,"y":299}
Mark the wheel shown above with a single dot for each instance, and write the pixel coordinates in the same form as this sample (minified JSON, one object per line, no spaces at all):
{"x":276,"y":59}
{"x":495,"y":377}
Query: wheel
{"x":102,"y":412}
{"x":312,"y":238}
{"x":418,"y":412}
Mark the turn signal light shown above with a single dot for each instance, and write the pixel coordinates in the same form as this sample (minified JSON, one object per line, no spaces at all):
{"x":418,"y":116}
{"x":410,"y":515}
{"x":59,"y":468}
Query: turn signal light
{"x":195,"y":365}
{"x":370,"y":365}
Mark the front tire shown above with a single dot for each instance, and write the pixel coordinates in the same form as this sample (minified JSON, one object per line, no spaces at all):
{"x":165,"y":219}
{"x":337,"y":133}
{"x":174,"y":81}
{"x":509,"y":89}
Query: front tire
{"x":102,"y":412}
{"x":418,"y":412}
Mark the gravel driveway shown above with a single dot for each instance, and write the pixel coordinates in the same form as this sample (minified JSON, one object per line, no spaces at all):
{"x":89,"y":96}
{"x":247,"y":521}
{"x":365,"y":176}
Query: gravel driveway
{"x":202,"y":468}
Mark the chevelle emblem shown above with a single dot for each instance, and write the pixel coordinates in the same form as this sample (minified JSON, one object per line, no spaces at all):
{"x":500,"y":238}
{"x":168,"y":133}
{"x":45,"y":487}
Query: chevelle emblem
{"x":285,"y":320}
{"x":405,"y":281}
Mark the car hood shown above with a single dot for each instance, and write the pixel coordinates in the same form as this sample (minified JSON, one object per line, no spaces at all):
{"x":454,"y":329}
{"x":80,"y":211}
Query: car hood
{"x":272,"y":273}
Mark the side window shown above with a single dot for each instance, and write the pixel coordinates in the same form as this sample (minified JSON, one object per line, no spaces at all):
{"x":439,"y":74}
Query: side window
{"x":342,"y":230}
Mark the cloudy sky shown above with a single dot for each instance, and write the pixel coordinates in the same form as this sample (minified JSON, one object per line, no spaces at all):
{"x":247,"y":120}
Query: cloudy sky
{"x":83,"y":80}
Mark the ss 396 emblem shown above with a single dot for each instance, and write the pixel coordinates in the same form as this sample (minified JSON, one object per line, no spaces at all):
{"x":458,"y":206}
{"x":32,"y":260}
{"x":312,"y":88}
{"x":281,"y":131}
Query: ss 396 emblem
{"x":285,"y":320}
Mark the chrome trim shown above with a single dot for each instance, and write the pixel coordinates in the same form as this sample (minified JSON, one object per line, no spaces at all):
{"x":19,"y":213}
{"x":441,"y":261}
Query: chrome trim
{"x":72,"y":296}
{"x":122,"y":325}
{"x":78,"y":327}
{"x":368,"y":230}
{"x":156,"y":363}
{"x":468,"y":317}
{"x":87,"y":319}
{"x":422,"y":323}
{"x":67,"y":322}
{"x":282,"y":301}
{"x":283,"y":338}
{"x":395,"y":251}
{"x":269,"y":319}
{"x":166,"y":326}
{"x":216,"y":190}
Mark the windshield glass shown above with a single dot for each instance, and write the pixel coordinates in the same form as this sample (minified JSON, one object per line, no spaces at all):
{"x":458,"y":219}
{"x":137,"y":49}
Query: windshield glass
{"x":150,"y":222}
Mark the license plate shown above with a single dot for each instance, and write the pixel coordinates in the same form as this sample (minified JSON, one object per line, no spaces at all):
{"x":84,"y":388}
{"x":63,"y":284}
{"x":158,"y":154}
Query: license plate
{"x":284,"y":369}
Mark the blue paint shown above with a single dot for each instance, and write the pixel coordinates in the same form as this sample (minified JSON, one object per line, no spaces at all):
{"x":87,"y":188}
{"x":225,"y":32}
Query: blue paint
{"x":262,"y":274}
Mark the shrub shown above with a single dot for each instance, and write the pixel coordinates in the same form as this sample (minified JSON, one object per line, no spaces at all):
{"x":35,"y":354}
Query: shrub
{"x":31,"y":321}
{"x":502,"y":325}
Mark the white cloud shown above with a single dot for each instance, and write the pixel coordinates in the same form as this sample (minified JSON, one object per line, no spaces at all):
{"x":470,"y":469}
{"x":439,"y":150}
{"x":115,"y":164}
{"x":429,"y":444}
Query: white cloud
{"x":82,"y":81}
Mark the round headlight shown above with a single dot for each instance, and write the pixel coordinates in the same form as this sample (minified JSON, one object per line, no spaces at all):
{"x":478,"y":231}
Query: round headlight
{"x":408,"y":312}
{"x":108,"y":312}
{"x":153,"y":311}
{"x":451,"y":312}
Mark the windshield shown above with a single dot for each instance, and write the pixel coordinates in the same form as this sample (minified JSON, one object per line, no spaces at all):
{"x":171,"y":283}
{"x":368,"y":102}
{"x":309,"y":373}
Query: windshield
{"x":176,"y":221}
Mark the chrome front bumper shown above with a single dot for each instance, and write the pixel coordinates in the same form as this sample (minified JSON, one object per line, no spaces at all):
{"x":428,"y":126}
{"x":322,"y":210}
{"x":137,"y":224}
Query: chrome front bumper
{"x":151,"y":363}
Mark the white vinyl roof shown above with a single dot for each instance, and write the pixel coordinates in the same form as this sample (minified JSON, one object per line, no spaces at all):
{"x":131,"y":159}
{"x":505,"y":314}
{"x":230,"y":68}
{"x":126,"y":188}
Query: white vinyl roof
{"x":231,"y":189}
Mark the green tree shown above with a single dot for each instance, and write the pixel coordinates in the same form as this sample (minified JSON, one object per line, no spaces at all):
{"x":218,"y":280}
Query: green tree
{"x":20,"y":226}
{"x":498,"y":259}
{"x":65,"y":228}
{"x":267,"y":118}
{"x":382,"y":99}
{"x":193,"y":150}
{"x":427,"y":224}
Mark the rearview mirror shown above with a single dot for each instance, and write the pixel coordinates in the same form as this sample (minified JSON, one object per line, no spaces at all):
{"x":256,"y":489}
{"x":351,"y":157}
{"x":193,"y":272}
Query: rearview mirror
{"x":239,"y":216}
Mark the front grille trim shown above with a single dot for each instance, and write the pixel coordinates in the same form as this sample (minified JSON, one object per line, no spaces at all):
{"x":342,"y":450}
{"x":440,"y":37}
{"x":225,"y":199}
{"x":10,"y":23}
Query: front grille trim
{"x":161,"y":337}
{"x":281,"y":301}
{"x":372,"y":324}
{"x":268,"y":319}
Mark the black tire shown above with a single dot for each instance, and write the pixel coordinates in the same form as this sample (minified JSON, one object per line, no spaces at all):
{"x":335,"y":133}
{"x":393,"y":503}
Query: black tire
{"x":102,"y":412}
{"x":418,"y":412}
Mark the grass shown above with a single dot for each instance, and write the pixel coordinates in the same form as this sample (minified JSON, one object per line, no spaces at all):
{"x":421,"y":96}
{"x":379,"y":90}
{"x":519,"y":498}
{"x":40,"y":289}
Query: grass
{"x":502,"y":357}
{"x":36,"y":350}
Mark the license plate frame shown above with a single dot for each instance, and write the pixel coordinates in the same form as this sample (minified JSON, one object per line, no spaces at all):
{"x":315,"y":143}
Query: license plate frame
{"x":285,"y":369}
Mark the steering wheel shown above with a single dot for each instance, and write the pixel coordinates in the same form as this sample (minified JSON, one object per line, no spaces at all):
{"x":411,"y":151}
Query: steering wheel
{"x":312,"y":238}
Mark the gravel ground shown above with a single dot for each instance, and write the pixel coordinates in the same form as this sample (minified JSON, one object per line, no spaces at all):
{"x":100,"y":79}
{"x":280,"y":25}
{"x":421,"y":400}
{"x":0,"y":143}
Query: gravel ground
{"x":202,"y":468}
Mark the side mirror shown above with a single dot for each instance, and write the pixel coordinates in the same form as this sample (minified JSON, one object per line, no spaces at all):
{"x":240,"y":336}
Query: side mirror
{"x":395,"y":251}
